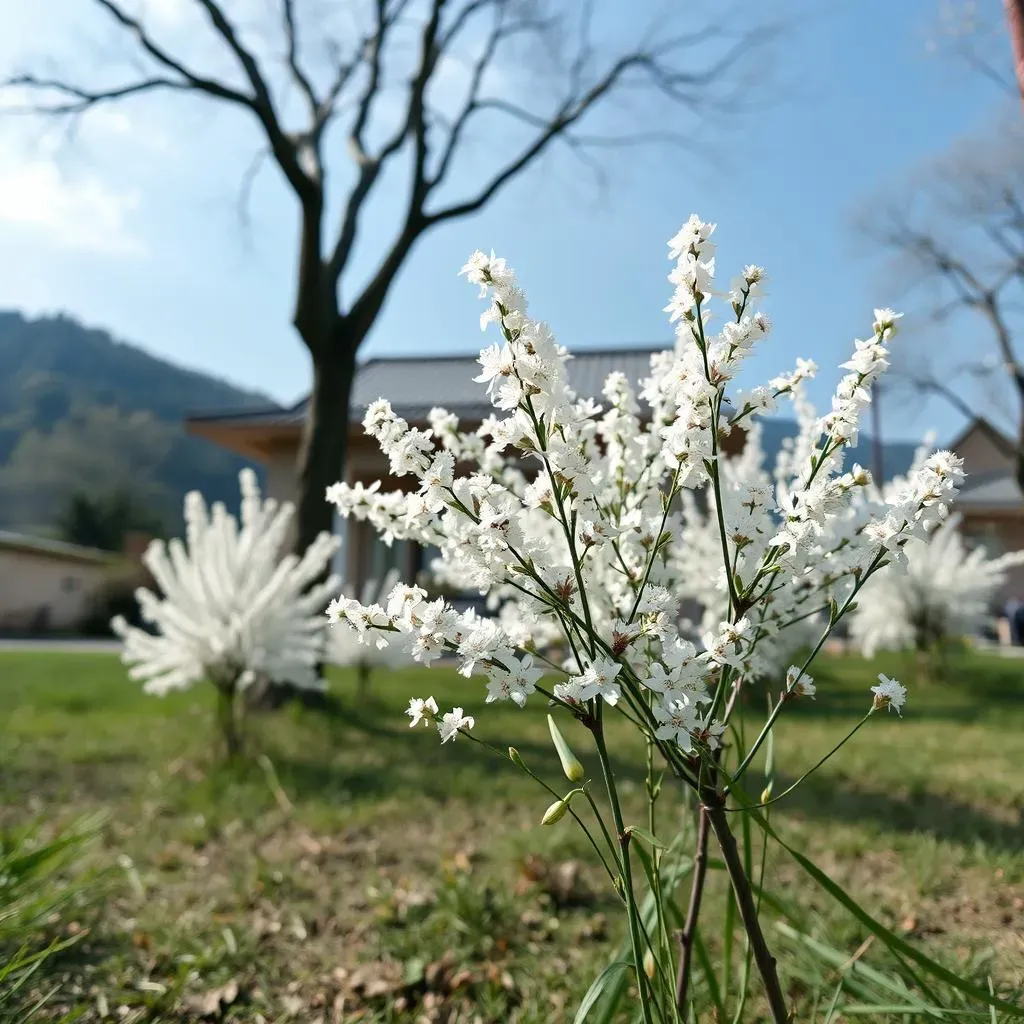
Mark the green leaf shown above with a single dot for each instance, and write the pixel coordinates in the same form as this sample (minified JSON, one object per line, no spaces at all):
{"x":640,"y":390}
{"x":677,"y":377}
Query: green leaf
{"x":875,"y":1009}
{"x":891,"y":940}
{"x":609,"y":974}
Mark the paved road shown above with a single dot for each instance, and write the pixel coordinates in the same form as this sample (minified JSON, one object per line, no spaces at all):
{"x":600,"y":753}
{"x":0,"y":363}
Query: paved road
{"x":75,"y":646}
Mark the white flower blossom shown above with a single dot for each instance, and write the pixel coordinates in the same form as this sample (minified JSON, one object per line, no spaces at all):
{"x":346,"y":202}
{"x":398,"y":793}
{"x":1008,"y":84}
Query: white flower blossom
{"x":452,"y":722}
{"x":889,"y":694}
{"x":421,"y":710}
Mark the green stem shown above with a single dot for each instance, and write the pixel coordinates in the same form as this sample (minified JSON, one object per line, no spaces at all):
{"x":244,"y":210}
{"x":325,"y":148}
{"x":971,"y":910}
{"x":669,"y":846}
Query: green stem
{"x":810,"y":771}
{"x":627,"y":871}
{"x":558,"y":796}
{"x":826,"y":633}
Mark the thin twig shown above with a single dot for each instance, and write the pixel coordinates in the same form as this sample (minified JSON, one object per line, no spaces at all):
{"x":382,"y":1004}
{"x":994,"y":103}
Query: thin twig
{"x":689,"y":932}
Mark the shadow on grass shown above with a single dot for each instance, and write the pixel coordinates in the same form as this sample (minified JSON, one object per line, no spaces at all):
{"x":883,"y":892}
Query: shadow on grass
{"x":399,"y":761}
{"x":971,"y":690}
{"x":917,"y":812}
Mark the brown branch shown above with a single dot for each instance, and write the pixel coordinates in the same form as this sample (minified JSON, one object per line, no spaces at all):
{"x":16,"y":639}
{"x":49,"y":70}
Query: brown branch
{"x":719,"y":823}
{"x":292,"y":56}
{"x":162,"y":56}
{"x":414,"y":124}
{"x":286,"y":150}
{"x":471,"y":104}
{"x":689,"y":932}
{"x":82,"y":99}
{"x":650,"y":67}
{"x":930,"y":384}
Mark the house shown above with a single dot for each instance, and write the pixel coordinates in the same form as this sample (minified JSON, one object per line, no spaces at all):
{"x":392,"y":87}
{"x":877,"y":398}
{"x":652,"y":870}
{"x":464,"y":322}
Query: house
{"x":413,"y":385}
{"x":46,"y":585}
{"x":990,"y":503}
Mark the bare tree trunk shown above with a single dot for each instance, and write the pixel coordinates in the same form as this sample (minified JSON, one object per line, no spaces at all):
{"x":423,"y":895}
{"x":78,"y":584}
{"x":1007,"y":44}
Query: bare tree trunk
{"x":228,"y":712}
{"x":1019,"y":460}
{"x":1015,"y":18}
{"x":321,"y":460}
{"x":363,"y":671}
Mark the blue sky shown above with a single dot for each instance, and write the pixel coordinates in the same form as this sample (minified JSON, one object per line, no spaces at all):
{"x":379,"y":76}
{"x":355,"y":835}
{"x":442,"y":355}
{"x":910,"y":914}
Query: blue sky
{"x":133,"y":223}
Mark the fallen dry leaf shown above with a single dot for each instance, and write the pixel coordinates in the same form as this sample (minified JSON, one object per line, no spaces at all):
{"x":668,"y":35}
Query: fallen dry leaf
{"x":373,"y":980}
{"x":214,"y":1002}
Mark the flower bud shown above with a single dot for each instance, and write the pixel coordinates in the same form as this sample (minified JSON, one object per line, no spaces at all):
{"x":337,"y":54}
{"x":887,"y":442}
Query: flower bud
{"x":574,"y":770}
{"x":513,"y":756}
{"x":649,"y":964}
{"x":766,"y":793}
{"x":555,"y":813}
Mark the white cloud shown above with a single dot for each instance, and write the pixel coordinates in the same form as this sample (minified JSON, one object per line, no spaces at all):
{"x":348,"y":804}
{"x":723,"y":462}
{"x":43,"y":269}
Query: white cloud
{"x":71,"y":212}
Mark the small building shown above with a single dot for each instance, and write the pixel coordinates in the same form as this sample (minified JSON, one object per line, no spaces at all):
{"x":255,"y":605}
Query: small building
{"x":990,"y":503}
{"x":414,"y":385}
{"x":47,"y":585}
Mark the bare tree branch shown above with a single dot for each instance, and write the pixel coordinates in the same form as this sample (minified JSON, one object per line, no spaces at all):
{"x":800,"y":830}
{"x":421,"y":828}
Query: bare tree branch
{"x":200,"y":82}
{"x":960,"y":228}
{"x":291,"y":35}
{"x":79,"y":99}
{"x":288,"y":152}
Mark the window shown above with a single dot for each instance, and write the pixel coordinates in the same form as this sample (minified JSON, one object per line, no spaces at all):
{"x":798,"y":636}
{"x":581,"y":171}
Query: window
{"x":986,"y":535}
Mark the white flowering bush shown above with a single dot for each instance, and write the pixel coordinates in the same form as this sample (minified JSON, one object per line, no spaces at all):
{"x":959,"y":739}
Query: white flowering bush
{"x":945,"y":592}
{"x":571,"y":521}
{"x":233,"y":608}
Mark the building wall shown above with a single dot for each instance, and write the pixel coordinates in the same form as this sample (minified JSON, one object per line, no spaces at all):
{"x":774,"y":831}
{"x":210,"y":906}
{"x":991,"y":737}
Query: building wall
{"x":45,"y":592}
{"x":981,"y":454}
{"x":999,"y":535}
{"x":1002,"y":531}
{"x":280,"y":467}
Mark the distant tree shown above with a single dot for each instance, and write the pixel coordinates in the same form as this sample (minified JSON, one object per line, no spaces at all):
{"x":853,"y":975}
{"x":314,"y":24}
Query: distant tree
{"x":386,"y":86}
{"x":955,"y":235}
{"x":105,"y":521}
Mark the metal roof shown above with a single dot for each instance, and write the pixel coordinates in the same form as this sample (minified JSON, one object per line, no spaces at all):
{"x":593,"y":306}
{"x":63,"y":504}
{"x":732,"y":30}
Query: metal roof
{"x":415,"y":384}
{"x":996,"y":488}
{"x":53,"y":548}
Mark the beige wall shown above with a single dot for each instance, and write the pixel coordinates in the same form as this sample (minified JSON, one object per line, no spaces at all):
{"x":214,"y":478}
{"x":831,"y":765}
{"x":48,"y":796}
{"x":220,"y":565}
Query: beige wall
{"x":981,"y":454}
{"x":30,"y":582}
{"x":280,"y":467}
{"x":999,"y":534}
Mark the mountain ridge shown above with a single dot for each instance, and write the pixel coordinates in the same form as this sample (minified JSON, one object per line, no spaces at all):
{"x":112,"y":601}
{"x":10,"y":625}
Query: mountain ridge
{"x":83,"y":411}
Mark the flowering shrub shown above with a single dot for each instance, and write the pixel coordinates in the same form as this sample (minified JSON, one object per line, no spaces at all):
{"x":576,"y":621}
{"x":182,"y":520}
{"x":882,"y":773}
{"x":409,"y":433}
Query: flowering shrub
{"x":944,"y":593}
{"x":233,"y":610}
{"x":572,"y":523}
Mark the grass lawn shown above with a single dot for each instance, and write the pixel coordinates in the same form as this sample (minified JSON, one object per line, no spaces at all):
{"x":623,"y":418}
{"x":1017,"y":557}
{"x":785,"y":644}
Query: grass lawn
{"x":365,"y":873}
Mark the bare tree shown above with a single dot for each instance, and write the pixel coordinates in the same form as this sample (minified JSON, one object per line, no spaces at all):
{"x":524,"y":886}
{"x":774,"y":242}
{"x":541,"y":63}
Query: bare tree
{"x":956,"y":235}
{"x":378,"y":90}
